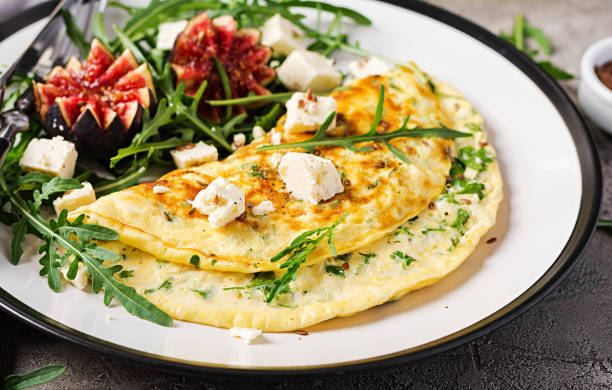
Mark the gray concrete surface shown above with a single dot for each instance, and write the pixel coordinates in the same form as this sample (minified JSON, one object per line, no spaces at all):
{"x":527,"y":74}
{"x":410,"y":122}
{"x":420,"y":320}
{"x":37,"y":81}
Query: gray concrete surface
{"x":563,"y":342}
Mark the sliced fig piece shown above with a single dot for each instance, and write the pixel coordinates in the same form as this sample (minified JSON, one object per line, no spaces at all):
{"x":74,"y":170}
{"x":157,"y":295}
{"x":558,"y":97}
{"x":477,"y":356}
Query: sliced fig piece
{"x":97,"y":105}
{"x":238,"y":51}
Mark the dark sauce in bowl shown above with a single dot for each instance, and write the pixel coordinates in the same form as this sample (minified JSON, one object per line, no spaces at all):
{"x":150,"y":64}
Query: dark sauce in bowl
{"x":604,"y":72}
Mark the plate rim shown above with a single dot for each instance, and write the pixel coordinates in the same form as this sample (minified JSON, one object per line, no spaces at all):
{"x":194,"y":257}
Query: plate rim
{"x":584,"y":228}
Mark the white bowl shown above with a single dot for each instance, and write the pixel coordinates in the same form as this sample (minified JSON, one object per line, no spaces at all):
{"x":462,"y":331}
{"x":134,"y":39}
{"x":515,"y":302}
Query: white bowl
{"x":594,"y":97}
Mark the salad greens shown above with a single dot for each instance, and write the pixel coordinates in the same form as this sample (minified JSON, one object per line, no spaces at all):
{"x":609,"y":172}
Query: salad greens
{"x":33,"y":378}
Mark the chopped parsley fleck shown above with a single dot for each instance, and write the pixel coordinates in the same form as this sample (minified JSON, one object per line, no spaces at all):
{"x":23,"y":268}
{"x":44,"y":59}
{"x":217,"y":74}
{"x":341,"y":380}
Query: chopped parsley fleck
{"x":431,"y":85}
{"x":213,"y":262}
{"x":195,"y":261}
{"x":438,"y":229}
{"x":159,"y":261}
{"x":367,"y":257}
{"x":403,"y":258}
{"x":344,"y":257}
{"x":375,"y":184}
{"x":403,"y":229}
{"x":166,"y":285}
{"x":126,"y":273}
{"x":254,"y":170}
{"x":335,"y":269}
{"x":454,"y":243}
{"x":123,"y":256}
{"x":413,"y":218}
{"x":474,"y":188}
{"x":477,"y":160}
{"x":462,"y":217}
{"x":204,"y":294}
{"x":473,"y":127}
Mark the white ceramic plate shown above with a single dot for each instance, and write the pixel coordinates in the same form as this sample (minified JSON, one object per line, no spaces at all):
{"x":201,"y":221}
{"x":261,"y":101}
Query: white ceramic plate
{"x":552,"y":194}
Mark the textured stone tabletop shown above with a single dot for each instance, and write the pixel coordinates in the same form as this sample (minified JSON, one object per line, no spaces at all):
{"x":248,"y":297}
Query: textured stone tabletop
{"x":565,"y":341}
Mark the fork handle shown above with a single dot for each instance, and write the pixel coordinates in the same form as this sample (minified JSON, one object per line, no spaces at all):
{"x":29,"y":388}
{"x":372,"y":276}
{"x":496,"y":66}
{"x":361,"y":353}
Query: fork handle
{"x":13,"y":121}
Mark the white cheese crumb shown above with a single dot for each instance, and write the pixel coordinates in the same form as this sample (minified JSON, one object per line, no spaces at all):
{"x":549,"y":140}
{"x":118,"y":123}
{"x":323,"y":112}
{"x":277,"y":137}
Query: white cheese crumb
{"x":306,"y":112}
{"x":239,"y":140}
{"x":167,"y":33}
{"x":265,"y":207}
{"x":470,"y":173}
{"x":73,"y":199}
{"x":368,"y":67}
{"x":190,"y":154}
{"x":282,"y":36}
{"x":108,"y":317}
{"x":221,"y":201}
{"x":309,"y":177}
{"x":81,"y":278}
{"x":276,"y":137}
{"x":246,"y":334}
{"x":258,"y":132}
{"x":54,"y":156}
{"x":275,"y":160}
{"x":303,"y":70}
{"x":160,"y":189}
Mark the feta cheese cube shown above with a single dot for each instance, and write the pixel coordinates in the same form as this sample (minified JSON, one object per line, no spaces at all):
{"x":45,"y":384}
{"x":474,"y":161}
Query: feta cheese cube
{"x":221,"y":201}
{"x":309,"y":177}
{"x":246,"y":334}
{"x":265,"y":207}
{"x":368,"y":67}
{"x":81,"y":278}
{"x":282,"y":36}
{"x":258,"y":132}
{"x":160,"y":189}
{"x":305,"y":69}
{"x":190,"y":154}
{"x":54,"y":156}
{"x":275,"y":138}
{"x":73,"y":199}
{"x":167,"y":33}
{"x":306,"y":112}
{"x":239,"y":140}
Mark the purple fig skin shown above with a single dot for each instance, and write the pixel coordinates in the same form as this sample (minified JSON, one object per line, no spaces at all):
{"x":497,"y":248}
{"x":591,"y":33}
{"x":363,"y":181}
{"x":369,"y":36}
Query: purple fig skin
{"x":90,"y":140}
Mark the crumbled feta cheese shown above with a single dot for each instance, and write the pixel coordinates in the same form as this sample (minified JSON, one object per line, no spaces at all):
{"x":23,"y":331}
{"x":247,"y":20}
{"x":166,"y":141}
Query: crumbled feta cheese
{"x":470,"y":173}
{"x":303,"y":70}
{"x":239,"y":140}
{"x":221,"y":201}
{"x":282,"y":36}
{"x":160,"y":189}
{"x":258,"y":132}
{"x":368,"y":67}
{"x":54,"y":156}
{"x":73,"y":199}
{"x":265,"y":207}
{"x":275,"y":159}
{"x":306,"y":112}
{"x":309,"y":177}
{"x":190,"y":154}
{"x":275,"y":138}
{"x":81,"y":278}
{"x":246,"y":334}
{"x":167,"y":33}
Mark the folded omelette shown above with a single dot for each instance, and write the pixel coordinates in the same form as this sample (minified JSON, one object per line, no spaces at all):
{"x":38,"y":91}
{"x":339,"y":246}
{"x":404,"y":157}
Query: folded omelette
{"x":412,"y":255}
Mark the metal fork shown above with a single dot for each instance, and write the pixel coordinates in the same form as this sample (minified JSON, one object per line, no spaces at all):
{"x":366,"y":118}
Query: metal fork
{"x":52,"y":47}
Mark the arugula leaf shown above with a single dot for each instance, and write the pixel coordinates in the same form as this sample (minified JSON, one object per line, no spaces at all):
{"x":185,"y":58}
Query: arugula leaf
{"x":20,"y":228}
{"x":33,"y":378}
{"x":72,"y":237}
{"x":320,"y":139}
{"x":518,"y":31}
{"x":75,"y":34}
{"x":604,"y":223}
{"x":539,"y":37}
{"x":267,"y":121}
{"x":126,"y":273}
{"x":98,"y":28}
{"x":296,"y":254}
{"x":554,"y":72}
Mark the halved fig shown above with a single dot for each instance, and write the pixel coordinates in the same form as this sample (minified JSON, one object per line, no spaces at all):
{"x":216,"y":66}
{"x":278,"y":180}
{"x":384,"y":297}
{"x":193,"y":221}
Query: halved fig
{"x":243,"y":59}
{"x":97,"y":105}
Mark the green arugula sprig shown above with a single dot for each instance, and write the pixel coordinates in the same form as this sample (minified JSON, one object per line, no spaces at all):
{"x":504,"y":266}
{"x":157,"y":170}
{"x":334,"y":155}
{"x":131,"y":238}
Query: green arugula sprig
{"x":522,"y":30}
{"x":296,"y":254}
{"x":320,"y":139}
{"x":33,"y":378}
{"x":76,"y":239}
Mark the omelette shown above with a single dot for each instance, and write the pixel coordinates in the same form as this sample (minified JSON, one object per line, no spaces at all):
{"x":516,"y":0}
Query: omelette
{"x":416,"y":253}
{"x":380,"y":192}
